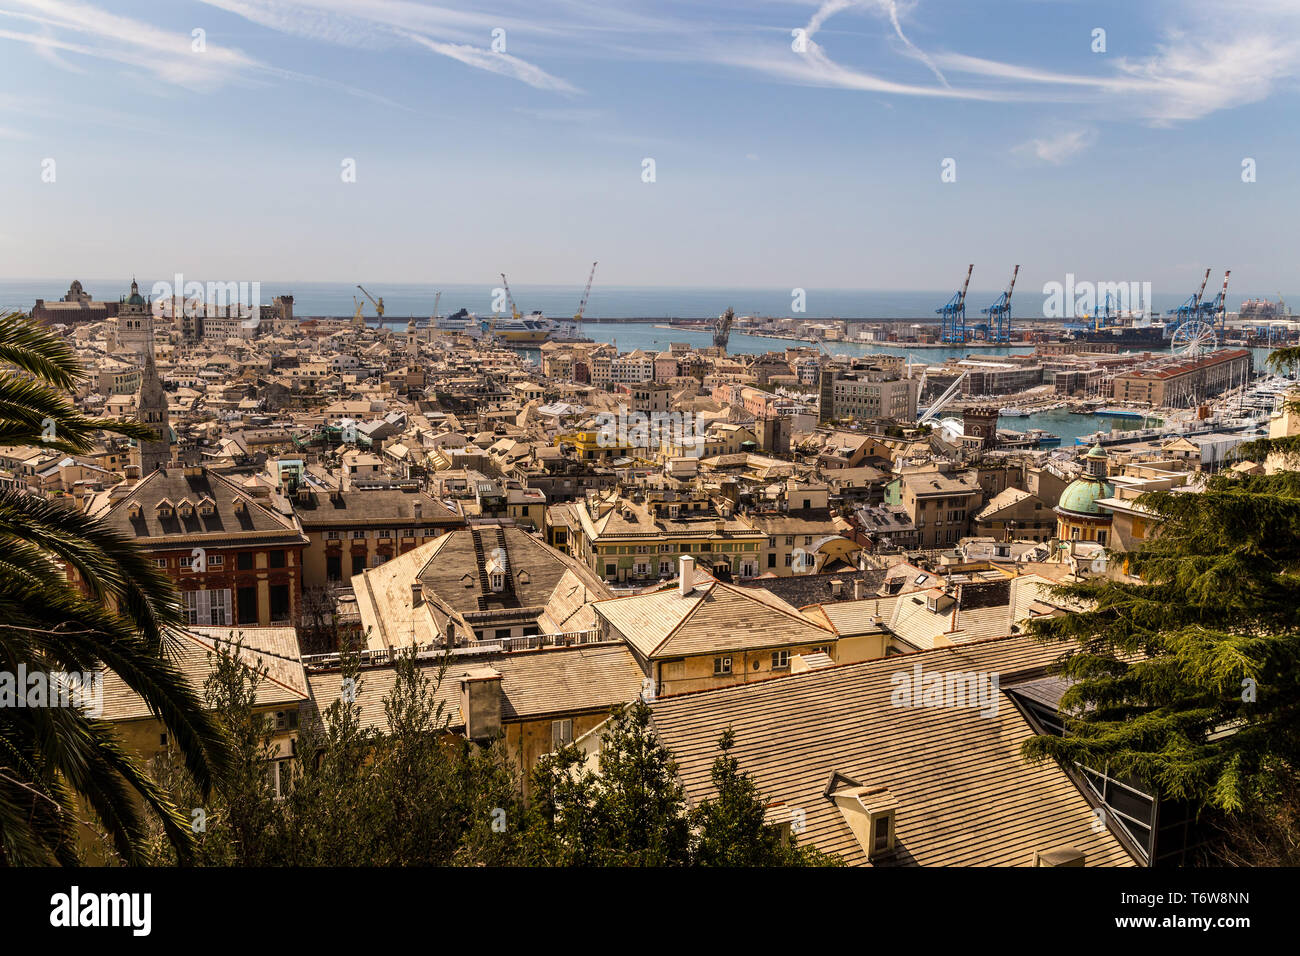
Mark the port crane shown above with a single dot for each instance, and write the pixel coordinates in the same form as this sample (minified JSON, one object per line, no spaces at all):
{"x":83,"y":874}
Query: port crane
{"x":722,"y":329}
{"x":510,"y":299}
{"x":1188,"y":310}
{"x":436,"y":299}
{"x":1202,"y":330}
{"x":377,"y":303}
{"x":358,"y":320}
{"x":999,"y":313}
{"x":1214,"y":310}
{"x":953,"y":313}
{"x":582,"y":305}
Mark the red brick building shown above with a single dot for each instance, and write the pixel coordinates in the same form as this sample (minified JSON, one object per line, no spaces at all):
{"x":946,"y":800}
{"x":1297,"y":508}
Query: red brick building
{"x":236,"y":558}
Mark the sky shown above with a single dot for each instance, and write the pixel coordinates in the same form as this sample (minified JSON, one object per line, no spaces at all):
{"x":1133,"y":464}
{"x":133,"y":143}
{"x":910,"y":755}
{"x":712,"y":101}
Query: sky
{"x":840,"y":144}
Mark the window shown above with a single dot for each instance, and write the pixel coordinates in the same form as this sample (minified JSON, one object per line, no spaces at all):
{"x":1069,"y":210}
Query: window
{"x":408,"y":532}
{"x":207,"y":608}
{"x":358,"y":535}
{"x":279,"y":602}
{"x":333,"y":567}
{"x":721,"y":665}
{"x":665,"y":567}
{"x":611,"y":570}
{"x":244,"y":561}
{"x":276,"y":559}
{"x":561,"y":733}
{"x":780,"y":659}
{"x":279,"y":776}
{"x":880,"y":836}
{"x":331,"y":535}
{"x":385,"y":533}
{"x":789,"y":540}
{"x":358,"y":563}
{"x":247,"y":599}
{"x":160,"y":562}
{"x":216,"y":559}
{"x":771,"y":561}
{"x":642,"y":569}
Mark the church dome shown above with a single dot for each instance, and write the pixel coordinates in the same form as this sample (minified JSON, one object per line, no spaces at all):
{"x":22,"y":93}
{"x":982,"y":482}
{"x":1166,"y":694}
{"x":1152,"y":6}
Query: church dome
{"x":1080,"y":496}
{"x":135,"y":298}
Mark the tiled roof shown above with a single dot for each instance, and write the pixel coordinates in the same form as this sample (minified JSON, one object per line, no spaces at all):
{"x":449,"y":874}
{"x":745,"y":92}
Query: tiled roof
{"x":715,"y":616}
{"x":965,"y":796}
{"x":192,"y":651}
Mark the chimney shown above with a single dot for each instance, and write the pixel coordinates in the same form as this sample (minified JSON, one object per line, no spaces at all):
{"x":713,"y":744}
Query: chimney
{"x":859,"y":589}
{"x":480,"y":702}
{"x":417,"y":592}
{"x":449,"y":633}
{"x":686,"y":579}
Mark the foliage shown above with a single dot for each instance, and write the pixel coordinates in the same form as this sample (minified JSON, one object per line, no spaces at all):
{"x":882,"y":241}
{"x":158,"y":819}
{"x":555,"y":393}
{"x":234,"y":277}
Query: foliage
{"x":1187,"y":679}
{"x":633,"y":812}
{"x":57,"y":763}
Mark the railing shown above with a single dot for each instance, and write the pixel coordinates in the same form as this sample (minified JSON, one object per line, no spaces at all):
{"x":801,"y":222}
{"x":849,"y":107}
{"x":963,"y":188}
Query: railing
{"x":380,"y":656}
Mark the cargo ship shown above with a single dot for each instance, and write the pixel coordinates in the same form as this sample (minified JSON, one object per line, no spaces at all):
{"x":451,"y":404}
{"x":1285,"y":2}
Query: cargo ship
{"x":1129,"y":336}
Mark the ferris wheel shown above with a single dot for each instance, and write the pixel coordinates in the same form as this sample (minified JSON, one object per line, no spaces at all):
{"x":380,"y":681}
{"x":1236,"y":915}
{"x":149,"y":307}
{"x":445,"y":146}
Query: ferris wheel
{"x":1194,"y":338}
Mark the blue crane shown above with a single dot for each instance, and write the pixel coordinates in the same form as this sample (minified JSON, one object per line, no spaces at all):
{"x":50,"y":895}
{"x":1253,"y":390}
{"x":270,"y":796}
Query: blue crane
{"x":999,"y":313}
{"x":1189,"y":309}
{"x":953,"y":314}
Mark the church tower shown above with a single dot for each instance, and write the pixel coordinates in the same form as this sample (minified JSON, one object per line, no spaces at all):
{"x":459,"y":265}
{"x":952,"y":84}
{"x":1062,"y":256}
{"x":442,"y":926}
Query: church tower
{"x":151,"y":406}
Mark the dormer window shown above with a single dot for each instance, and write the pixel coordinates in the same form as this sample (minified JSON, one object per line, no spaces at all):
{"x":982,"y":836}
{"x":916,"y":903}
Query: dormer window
{"x":207,"y":507}
{"x":497,"y":580}
{"x":166,"y":509}
{"x":135,"y":511}
{"x":241,"y":507}
{"x":185,"y":508}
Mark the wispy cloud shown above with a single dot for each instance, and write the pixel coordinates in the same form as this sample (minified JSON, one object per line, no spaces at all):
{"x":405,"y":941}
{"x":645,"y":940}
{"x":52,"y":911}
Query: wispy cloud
{"x":500,"y":63}
{"x":103,"y":35}
{"x":379,"y":23}
{"x":1060,"y":147}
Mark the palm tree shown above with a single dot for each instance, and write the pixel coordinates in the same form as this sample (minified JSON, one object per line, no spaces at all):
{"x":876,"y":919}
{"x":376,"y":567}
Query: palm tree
{"x":56,"y":761}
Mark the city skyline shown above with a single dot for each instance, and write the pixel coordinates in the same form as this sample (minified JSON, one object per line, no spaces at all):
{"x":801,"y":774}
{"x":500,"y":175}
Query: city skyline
{"x":227,"y":153}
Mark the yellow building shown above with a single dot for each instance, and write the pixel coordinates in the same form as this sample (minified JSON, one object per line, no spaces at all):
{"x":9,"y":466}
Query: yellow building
{"x":1078,"y":516}
{"x":705,"y":633}
{"x":626,"y":541}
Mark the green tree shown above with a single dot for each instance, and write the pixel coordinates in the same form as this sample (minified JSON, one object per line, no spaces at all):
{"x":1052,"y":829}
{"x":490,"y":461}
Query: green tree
{"x":1187,"y":678}
{"x":236,"y":824}
{"x":54,"y":760}
{"x":631,"y":813}
{"x":731,"y":827}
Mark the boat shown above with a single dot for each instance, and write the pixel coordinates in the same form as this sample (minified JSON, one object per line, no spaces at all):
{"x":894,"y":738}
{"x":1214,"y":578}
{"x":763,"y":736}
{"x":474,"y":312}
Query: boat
{"x":1045,"y":439}
{"x":1014,"y":412}
{"x":531,"y":329}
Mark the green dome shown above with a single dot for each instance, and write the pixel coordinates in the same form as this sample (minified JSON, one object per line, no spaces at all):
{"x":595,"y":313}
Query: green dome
{"x":135,"y":298}
{"x":1080,"y":495}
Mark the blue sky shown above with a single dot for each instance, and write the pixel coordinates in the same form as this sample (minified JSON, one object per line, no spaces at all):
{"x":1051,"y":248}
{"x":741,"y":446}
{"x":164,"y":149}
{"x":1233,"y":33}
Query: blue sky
{"x":773,"y":167}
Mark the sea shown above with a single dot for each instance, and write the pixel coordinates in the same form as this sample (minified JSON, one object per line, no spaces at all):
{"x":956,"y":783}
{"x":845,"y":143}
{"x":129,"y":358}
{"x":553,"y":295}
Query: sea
{"x":654,"y":306}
